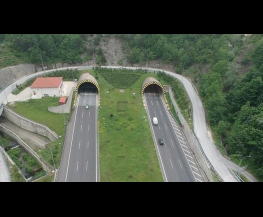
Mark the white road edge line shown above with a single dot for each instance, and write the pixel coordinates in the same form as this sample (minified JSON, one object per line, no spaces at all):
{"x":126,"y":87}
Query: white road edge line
{"x":171,"y":163}
{"x":180,"y":163}
{"x":71,"y":142}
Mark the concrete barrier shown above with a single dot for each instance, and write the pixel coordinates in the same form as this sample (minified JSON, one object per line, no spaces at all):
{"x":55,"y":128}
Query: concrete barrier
{"x":46,"y":167}
{"x":29,"y":125}
{"x":66,"y":108}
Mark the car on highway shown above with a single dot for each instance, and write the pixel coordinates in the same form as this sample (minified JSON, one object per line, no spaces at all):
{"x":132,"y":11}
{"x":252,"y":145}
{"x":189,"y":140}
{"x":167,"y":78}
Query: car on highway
{"x":155,"y":121}
{"x":87,"y":106}
{"x":161,"y":142}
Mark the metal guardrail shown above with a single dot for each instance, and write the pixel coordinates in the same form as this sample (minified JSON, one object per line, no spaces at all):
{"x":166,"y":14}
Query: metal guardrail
{"x":19,"y":81}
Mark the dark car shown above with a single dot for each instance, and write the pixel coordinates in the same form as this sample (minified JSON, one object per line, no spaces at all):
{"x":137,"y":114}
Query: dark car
{"x":161,"y":142}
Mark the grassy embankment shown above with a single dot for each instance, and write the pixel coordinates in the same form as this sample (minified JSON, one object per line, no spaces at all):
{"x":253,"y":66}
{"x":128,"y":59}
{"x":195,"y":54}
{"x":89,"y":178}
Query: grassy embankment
{"x":127,"y":152}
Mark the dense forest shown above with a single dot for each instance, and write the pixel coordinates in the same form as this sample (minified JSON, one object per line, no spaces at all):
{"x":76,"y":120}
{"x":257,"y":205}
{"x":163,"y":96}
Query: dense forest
{"x":227,"y":69}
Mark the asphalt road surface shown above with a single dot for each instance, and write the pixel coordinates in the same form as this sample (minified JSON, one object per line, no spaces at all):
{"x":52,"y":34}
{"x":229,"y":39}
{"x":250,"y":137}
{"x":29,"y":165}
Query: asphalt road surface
{"x":80,"y":156}
{"x":176,"y":161}
{"x":200,"y":128}
{"x":201,"y":131}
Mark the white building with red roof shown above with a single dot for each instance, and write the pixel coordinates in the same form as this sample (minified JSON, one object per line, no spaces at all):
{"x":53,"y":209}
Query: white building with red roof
{"x":48,"y":86}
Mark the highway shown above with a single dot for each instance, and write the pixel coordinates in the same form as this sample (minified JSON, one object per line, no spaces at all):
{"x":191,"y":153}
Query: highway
{"x":220,"y":164}
{"x":176,"y":161}
{"x":80,"y":156}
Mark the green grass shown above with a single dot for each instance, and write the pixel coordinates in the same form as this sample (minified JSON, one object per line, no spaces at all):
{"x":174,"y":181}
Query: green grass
{"x":7,"y":57}
{"x":121,"y":80}
{"x":215,"y":177}
{"x":37,"y":110}
{"x":15,"y":175}
{"x":46,"y":178}
{"x":127,"y":151}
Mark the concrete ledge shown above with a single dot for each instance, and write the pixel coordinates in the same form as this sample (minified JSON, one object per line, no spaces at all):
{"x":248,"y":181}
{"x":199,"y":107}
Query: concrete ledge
{"x":29,"y":125}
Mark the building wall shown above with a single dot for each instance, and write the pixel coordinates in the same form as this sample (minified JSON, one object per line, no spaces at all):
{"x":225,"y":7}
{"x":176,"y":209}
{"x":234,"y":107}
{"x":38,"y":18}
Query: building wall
{"x":58,"y":91}
{"x":40,"y":92}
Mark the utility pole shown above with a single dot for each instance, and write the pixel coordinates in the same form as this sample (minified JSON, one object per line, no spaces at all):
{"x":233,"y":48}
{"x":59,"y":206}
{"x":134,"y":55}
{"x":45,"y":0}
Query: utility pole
{"x":52,"y":158}
{"x":42,"y":60}
{"x":147,"y":60}
{"x":6,"y":97}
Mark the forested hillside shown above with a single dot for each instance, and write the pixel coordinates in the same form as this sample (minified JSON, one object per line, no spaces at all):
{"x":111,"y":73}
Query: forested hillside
{"x":227,"y":69}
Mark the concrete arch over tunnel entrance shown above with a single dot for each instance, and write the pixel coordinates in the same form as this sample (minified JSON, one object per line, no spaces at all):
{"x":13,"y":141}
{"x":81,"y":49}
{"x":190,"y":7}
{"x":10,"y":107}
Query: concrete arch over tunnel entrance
{"x":151,"y":85}
{"x":86,"y":84}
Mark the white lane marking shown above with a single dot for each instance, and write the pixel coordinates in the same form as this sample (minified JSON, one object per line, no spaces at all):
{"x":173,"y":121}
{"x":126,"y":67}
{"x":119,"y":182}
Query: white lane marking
{"x":88,"y":127}
{"x":161,"y":113}
{"x":81,"y":127}
{"x":79,"y":144}
{"x":71,"y":142}
{"x":171,"y":163}
{"x":154,"y":114}
{"x":166,"y":127}
{"x":178,"y":133}
{"x":158,"y":151}
{"x":77,"y":166}
{"x":180,"y":137}
{"x":172,"y":143}
{"x":183,"y":145}
{"x":87,"y":166}
{"x":197,"y":173}
{"x":177,"y":129}
{"x":180,"y":163}
{"x":152,"y":102}
{"x":191,"y":161}
{"x":198,"y":180}
{"x":159,"y":127}
{"x":189,"y":156}
{"x":186,"y":150}
{"x":88,"y":145}
{"x":89,"y":114}
{"x":193,"y":167}
{"x":82,"y":114}
{"x":157,"y":103}
{"x":181,"y":141}
{"x":96,"y":127}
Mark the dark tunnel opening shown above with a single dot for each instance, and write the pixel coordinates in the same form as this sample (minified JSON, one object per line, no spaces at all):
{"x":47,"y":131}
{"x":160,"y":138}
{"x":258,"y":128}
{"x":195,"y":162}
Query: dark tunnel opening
{"x":87,"y":87}
{"x":153,"y":88}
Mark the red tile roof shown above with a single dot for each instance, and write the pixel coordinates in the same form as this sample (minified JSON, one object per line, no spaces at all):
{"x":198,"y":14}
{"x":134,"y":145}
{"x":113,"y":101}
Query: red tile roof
{"x":45,"y":82}
{"x":63,"y":99}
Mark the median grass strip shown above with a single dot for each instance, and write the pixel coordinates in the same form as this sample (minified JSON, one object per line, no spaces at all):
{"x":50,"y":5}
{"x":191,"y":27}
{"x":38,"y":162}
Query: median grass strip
{"x":127,"y":151}
{"x":126,"y":147}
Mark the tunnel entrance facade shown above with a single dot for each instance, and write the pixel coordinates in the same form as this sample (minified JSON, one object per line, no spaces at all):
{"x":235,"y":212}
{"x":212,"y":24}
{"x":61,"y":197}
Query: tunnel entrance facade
{"x":151,"y":85}
{"x":87,"y":84}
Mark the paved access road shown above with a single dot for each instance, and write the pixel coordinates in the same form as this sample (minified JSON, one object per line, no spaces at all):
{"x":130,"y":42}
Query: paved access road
{"x":176,"y":161}
{"x":79,"y":161}
{"x":4,"y":173}
{"x":200,"y":127}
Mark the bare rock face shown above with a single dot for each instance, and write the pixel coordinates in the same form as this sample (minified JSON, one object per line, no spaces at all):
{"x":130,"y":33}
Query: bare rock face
{"x":12,"y":73}
{"x":113,"y":52}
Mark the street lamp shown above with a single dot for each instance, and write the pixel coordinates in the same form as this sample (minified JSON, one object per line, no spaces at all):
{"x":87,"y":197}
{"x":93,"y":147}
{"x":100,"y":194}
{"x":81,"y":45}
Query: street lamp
{"x":240,"y":164}
{"x":6,"y":97}
{"x":52,"y":158}
{"x":42,"y":60}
